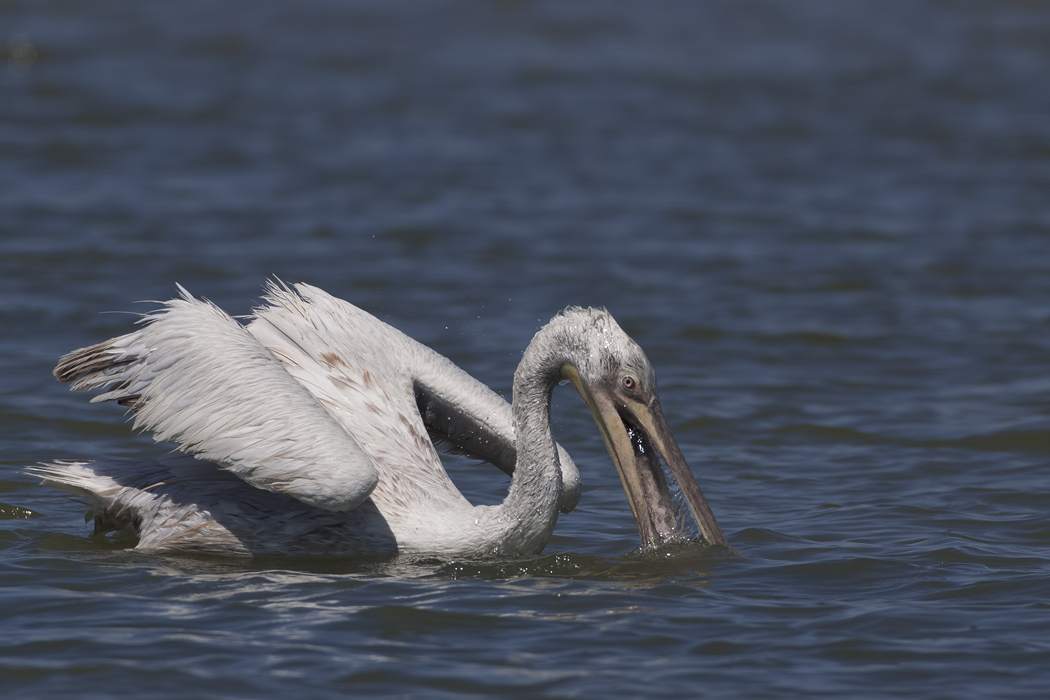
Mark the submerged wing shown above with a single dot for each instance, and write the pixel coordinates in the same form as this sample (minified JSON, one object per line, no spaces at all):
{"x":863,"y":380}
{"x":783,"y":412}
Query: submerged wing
{"x":194,"y":376}
{"x":389,"y":391}
{"x":181,"y":503}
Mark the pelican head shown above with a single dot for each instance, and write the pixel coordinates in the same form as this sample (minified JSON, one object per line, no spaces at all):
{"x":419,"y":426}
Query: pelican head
{"x":616,"y":380}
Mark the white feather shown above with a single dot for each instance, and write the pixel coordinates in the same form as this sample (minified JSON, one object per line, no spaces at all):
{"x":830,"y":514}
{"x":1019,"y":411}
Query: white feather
{"x":196,"y":377}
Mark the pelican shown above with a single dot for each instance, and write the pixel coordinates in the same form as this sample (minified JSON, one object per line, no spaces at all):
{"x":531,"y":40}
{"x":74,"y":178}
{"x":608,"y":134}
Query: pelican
{"x":312,"y":428}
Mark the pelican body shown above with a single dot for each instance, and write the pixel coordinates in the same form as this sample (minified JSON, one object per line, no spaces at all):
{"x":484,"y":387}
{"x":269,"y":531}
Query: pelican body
{"x":311,"y":429}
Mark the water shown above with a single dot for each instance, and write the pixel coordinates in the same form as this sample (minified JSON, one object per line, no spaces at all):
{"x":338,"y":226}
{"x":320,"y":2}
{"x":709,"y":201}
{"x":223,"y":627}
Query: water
{"x":826,"y":222}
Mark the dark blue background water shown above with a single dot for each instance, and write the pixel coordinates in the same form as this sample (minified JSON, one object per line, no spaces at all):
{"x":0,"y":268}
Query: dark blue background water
{"x":826,"y":221}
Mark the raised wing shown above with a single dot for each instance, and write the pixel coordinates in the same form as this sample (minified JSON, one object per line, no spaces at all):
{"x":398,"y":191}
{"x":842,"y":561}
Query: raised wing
{"x":194,"y":376}
{"x":391,"y":391}
{"x":360,"y":370}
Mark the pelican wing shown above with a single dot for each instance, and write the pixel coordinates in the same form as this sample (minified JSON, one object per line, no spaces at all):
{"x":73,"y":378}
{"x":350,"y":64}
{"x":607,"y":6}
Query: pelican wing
{"x":390,"y":391}
{"x":194,"y":376}
{"x":361,"y":370}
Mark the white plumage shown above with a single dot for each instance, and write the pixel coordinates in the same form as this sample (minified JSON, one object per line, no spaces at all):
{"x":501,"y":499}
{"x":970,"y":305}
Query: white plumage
{"x":310,"y":430}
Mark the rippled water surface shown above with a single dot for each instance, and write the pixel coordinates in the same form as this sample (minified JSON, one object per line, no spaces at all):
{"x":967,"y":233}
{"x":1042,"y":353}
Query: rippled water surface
{"x":827,"y":223}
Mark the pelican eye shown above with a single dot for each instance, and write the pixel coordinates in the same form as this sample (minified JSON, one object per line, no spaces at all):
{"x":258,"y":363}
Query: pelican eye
{"x":628,"y":382}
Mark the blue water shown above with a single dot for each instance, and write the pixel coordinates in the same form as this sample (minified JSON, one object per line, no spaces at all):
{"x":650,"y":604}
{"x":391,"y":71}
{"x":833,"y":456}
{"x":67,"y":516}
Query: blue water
{"x":826,"y":222}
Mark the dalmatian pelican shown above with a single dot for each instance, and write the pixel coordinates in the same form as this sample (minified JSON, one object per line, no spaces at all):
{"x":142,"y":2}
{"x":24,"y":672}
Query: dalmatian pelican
{"x":312,"y":429}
